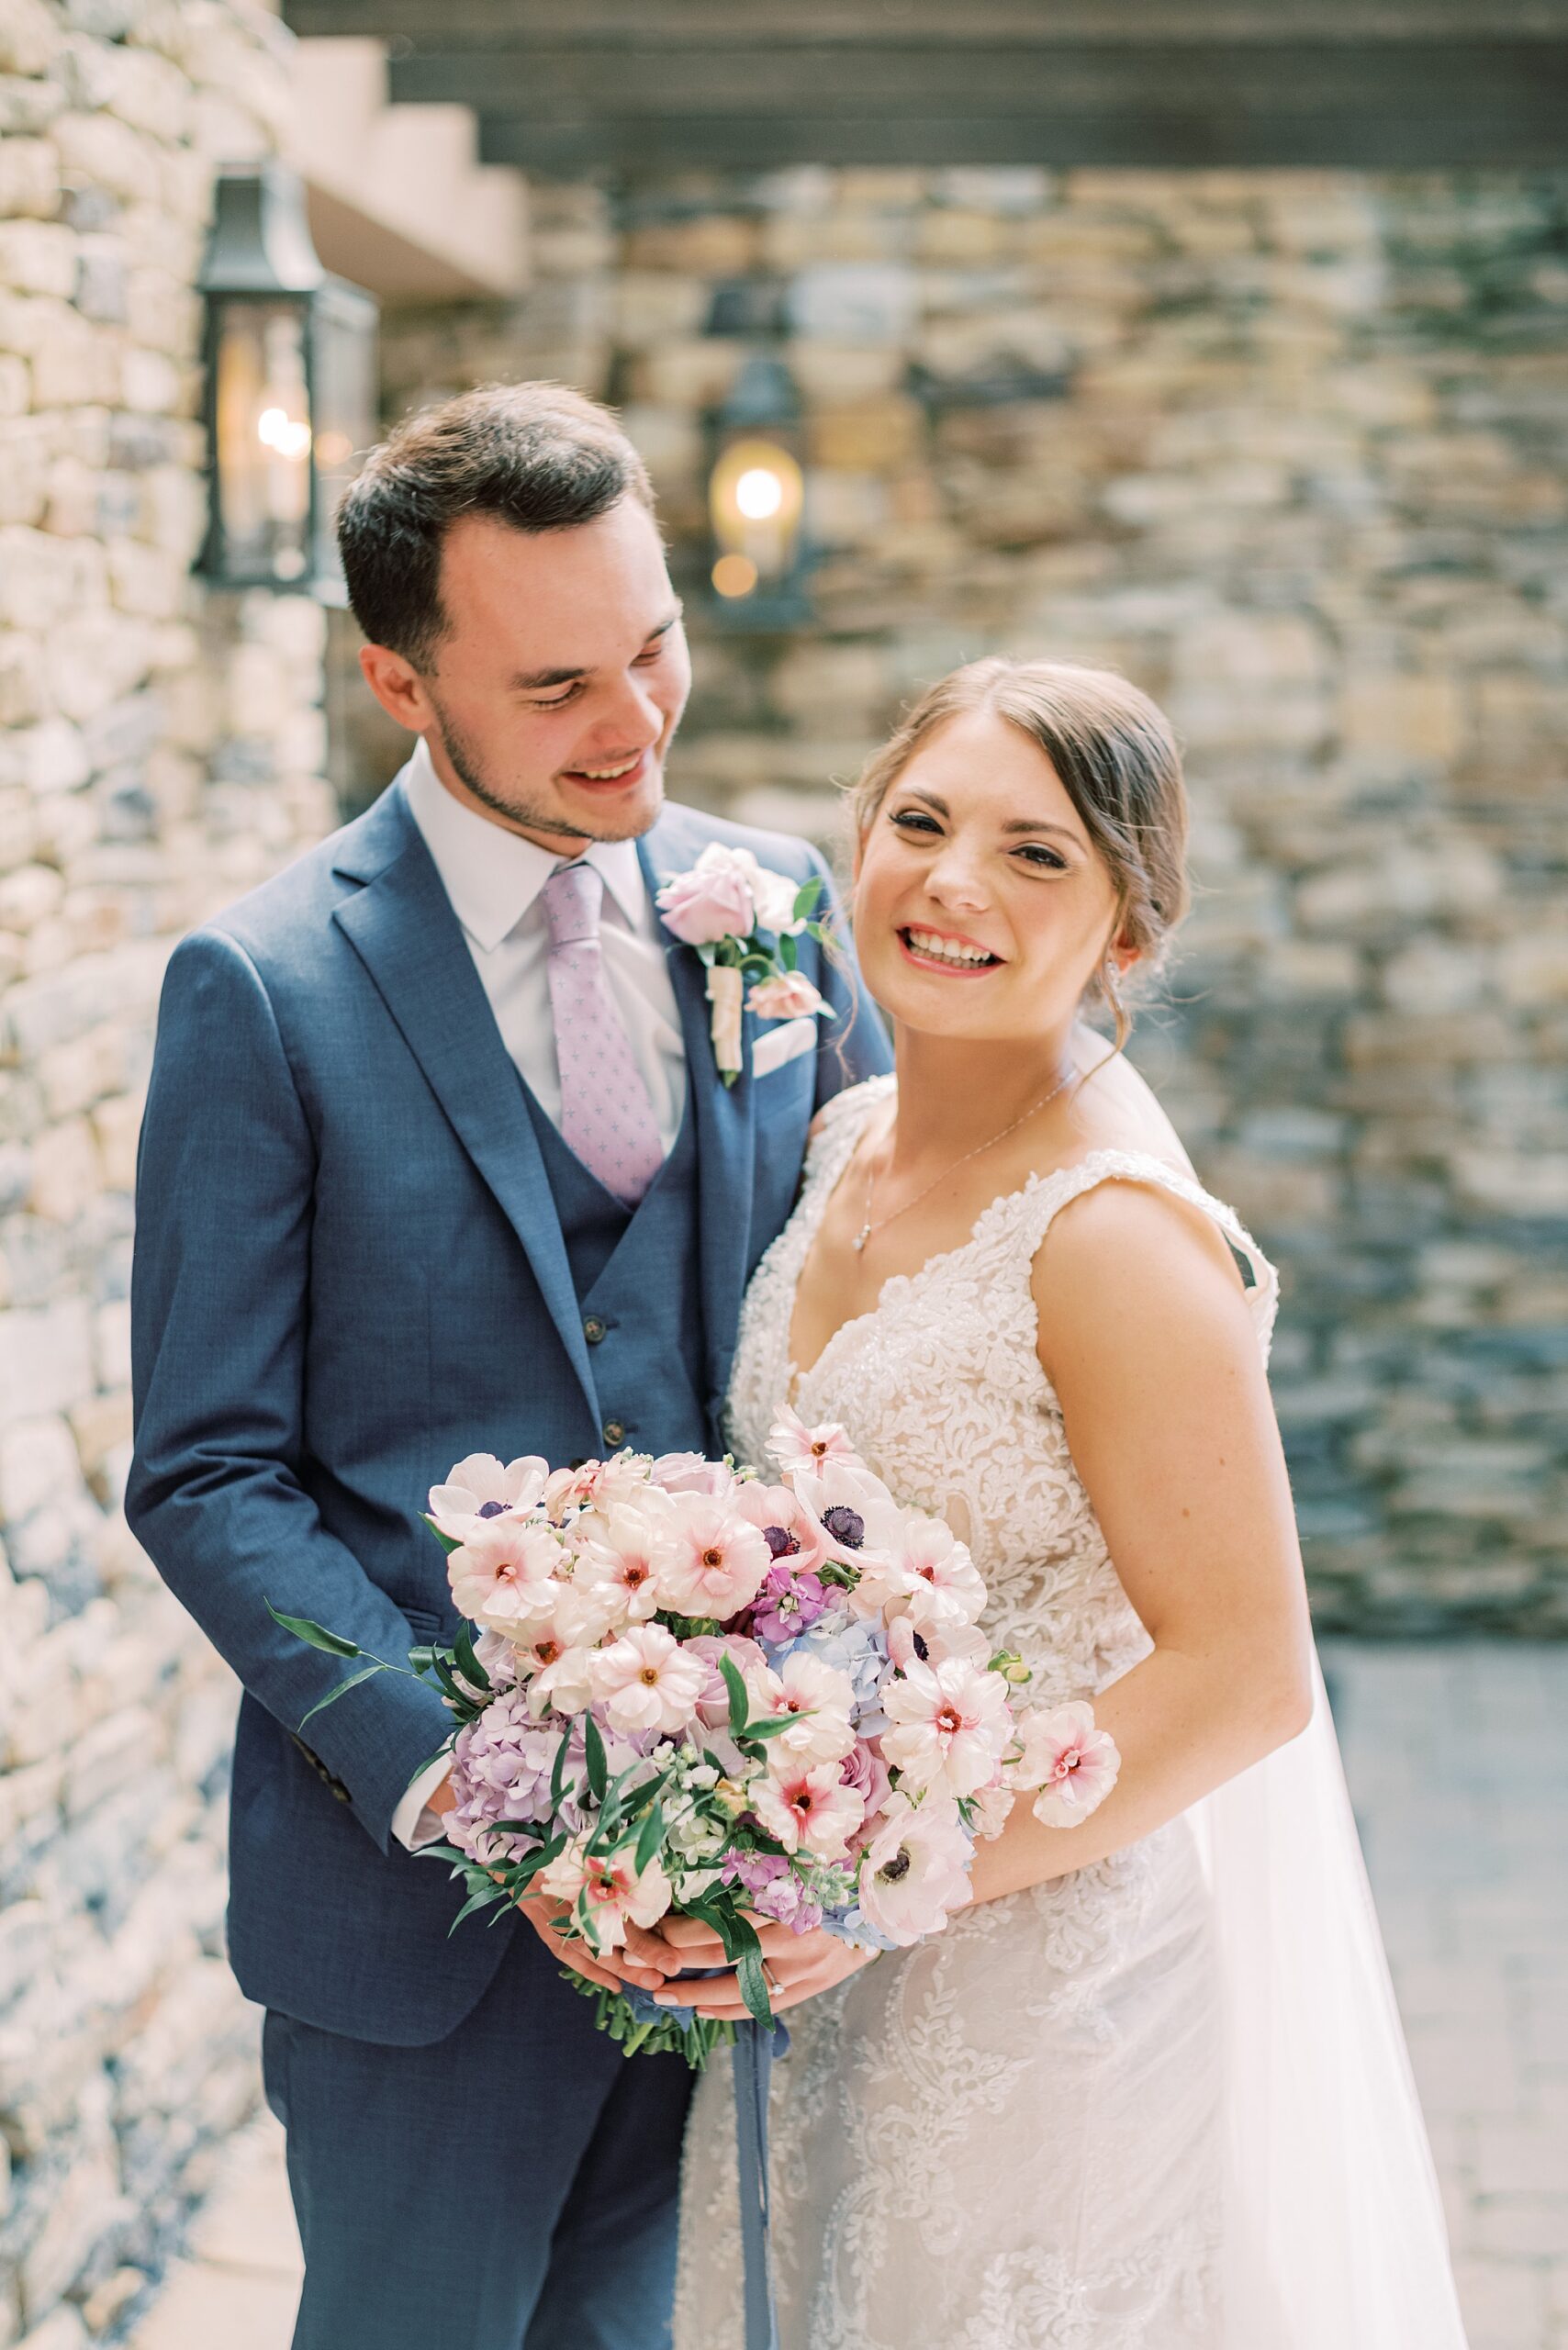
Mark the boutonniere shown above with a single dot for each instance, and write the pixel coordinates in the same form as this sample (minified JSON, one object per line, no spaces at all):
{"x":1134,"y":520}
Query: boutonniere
{"x":730,"y":908}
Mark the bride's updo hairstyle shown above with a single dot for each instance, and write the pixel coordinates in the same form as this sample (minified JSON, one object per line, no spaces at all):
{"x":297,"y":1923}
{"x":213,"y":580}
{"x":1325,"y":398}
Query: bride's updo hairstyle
{"x":1117,"y":759}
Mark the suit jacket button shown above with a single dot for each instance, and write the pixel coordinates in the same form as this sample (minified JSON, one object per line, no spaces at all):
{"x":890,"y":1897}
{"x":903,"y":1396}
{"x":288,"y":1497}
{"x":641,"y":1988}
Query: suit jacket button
{"x":615,"y":1432}
{"x":594,"y":1328}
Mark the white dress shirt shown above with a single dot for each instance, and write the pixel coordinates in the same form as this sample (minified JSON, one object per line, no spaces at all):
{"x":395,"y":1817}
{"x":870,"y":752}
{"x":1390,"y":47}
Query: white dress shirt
{"x":493,"y":878}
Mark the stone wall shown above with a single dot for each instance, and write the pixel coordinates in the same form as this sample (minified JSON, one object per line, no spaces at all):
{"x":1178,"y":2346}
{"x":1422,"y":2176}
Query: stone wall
{"x":1289,"y":449}
{"x":162,"y":751}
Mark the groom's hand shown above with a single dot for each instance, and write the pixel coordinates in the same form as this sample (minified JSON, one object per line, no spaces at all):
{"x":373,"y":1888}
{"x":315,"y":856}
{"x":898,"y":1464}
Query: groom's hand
{"x":798,"y":1966}
{"x":645,"y":1961}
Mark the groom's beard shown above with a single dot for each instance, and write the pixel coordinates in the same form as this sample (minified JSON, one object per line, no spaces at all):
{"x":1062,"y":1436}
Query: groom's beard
{"x":526,"y":814}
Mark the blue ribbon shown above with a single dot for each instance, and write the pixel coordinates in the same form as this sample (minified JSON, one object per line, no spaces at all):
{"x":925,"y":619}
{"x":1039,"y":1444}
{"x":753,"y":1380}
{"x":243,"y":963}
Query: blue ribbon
{"x":755,"y":2051}
{"x":757,"y":2045}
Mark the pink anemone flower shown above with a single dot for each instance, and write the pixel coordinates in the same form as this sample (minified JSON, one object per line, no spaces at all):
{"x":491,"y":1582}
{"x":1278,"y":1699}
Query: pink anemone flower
{"x":914,"y":1870}
{"x":480,"y":1488}
{"x":791,"y":1531}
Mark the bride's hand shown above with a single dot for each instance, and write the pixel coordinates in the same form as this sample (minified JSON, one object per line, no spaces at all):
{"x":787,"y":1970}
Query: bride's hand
{"x":645,"y":1961}
{"x":798,"y":1966}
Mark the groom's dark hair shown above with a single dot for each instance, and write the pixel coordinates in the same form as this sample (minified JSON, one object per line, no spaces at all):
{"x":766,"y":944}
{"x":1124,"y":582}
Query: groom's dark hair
{"x":537,"y":456}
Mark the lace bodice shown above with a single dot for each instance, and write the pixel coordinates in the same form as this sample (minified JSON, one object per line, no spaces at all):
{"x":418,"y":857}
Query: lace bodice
{"x":941,"y":1390}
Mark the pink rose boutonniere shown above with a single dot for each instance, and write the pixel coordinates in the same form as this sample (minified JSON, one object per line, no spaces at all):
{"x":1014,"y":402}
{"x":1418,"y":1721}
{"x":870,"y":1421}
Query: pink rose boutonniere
{"x":729,"y":907}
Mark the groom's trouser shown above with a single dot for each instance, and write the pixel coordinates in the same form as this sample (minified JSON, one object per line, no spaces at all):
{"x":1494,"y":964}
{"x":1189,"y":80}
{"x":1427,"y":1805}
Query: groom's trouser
{"x":513,"y":2187}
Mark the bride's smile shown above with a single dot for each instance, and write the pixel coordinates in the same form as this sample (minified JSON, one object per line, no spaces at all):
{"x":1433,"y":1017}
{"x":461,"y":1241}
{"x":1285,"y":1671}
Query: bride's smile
{"x":982,"y":909}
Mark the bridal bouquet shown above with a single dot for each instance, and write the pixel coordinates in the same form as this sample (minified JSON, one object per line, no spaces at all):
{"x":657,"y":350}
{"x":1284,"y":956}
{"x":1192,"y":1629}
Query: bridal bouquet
{"x":681,"y":1688}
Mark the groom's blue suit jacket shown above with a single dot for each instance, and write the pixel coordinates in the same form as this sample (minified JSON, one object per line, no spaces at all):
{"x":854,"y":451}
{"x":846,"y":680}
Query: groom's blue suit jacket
{"x":349,"y":1271}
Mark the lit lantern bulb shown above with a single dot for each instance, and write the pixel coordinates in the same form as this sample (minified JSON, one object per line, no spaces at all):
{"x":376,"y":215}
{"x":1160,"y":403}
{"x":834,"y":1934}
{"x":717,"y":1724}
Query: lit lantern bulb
{"x":277,"y":430}
{"x":759,"y":494}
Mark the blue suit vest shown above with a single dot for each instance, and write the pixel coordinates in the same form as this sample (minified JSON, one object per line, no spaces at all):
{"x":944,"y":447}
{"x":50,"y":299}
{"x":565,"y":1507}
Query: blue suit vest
{"x":637,"y":1278}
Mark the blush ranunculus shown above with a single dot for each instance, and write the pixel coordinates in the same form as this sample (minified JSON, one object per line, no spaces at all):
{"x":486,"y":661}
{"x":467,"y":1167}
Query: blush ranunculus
{"x":762,"y":1683}
{"x":819,"y":1700}
{"x":810,"y":1808}
{"x":717,"y":1558}
{"x":795,"y":1446}
{"x":950,"y":1726}
{"x":612,"y":1891}
{"x":1073,"y":1764}
{"x":788,"y":995}
{"x":645,"y":1680}
{"x":504,"y":1576}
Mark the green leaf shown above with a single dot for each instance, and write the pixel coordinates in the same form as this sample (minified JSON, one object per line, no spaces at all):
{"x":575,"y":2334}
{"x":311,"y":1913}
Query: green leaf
{"x":593,"y":1754}
{"x":806,"y":896}
{"x":468,"y":1664}
{"x":650,"y":1839}
{"x":765,"y":1729}
{"x":637,"y":1802}
{"x":481,"y":1900}
{"x":789,"y":953}
{"x":449,"y":1542}
{"x":740,"y":1704}
{"x":753,"y":1985}
{"x":314,"y":1635}
{"x":420,"y":1659}
{"x":558,"y":1776}
{"x":365,"y":1672}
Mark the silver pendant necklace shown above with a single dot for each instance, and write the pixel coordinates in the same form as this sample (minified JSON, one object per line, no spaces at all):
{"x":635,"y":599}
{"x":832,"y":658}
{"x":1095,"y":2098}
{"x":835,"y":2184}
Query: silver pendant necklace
{"x":874,"y":1223}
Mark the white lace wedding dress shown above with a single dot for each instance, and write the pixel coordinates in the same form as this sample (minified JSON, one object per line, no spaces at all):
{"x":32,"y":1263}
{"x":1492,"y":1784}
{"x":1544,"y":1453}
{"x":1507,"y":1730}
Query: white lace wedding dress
{"x":1161,"y":2104}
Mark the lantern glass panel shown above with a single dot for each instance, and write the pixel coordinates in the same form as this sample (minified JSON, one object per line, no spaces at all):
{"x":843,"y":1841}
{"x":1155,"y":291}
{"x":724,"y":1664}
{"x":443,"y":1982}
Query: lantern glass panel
{"x":262,"y":415}
{"x":344,"y":390}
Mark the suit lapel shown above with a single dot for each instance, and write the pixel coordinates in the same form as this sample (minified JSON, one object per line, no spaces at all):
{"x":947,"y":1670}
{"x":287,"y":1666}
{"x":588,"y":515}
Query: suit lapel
{"x":725,"y":1116}
{"x":402,"y":927}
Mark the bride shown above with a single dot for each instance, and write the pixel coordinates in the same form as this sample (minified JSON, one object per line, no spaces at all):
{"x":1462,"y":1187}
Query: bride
{"x":1148,"y":2090}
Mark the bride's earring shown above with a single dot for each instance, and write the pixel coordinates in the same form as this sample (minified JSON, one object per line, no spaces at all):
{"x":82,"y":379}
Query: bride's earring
{"x":1112,"y":993}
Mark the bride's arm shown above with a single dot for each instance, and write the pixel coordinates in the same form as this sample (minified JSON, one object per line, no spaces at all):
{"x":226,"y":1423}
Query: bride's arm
{"x":1145,"y":1336}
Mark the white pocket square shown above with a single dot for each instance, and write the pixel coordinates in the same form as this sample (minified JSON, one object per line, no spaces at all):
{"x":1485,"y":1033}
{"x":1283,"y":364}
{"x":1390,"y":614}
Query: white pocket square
{"x":785,"y":1042}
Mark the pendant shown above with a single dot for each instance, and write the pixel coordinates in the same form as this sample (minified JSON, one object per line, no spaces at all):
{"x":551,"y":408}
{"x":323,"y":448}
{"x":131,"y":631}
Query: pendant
{"x":861,"y":1238}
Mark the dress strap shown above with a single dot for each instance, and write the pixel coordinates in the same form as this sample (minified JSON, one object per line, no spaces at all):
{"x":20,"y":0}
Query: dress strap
{"x":1043,"y":1200}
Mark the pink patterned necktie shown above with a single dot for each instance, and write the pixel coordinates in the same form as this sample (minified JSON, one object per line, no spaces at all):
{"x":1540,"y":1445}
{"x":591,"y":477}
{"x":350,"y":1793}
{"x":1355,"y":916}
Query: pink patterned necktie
{"x":606,"y":1117}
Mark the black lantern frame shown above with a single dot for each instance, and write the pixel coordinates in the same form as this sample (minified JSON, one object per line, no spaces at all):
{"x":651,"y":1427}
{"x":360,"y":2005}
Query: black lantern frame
{"x":756,"y":499}
{"x":291,"y":390}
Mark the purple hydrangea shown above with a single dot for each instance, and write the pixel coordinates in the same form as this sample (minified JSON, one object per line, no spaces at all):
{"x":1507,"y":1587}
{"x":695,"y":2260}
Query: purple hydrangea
{"x":776,"y":1891}
{"x":500,"y":1768}
{"x":787,"y":1603}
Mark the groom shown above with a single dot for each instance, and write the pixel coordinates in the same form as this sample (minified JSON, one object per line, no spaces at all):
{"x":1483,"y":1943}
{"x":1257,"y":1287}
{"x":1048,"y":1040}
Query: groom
{"x":436,"y":1161}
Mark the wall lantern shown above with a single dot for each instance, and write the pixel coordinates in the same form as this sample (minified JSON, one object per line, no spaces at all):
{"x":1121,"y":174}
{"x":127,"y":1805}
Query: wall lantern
{"x":757,"y":492}
{"x":291,"y":389}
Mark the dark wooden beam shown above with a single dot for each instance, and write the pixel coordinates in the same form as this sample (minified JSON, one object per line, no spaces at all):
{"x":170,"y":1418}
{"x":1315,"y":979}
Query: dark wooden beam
{"x":980,"y":81}
{"x":1523,"y":138}
{"x":564,"y":87}
{"x":773,"y":24}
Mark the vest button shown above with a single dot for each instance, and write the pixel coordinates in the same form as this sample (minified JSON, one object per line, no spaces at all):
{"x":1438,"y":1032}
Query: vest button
{"x":615,"y":1432}
{"x":594,"y":1328}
